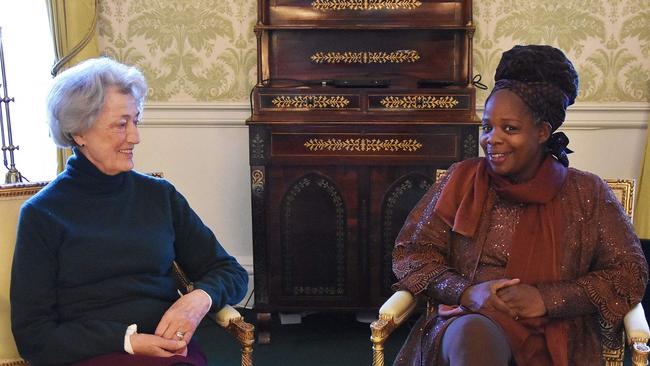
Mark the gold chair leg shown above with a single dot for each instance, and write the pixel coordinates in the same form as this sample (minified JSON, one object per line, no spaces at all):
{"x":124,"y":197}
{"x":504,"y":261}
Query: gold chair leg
{"x":245,"y":335}
{"x":377,"y":354}
{"x":380,"y":329}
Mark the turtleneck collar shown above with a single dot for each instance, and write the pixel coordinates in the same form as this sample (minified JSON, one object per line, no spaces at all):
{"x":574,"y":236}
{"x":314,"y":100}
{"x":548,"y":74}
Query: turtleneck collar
{"x":86,"y":176}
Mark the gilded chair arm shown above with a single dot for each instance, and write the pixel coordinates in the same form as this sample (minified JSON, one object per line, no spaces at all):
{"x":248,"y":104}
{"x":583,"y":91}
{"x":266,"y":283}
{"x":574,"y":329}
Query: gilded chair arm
{"x":398,"y":307}
{"x":393,"y":313}
{"x":230,"y":319}
{"x":225,"y":315}
{"x":637,"y":333}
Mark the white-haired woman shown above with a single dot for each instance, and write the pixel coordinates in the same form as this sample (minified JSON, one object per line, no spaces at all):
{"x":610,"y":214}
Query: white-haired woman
{"x":92,"y":275}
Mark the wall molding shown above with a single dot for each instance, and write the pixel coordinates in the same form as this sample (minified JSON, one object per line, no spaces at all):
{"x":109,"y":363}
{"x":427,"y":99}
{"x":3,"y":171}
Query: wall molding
{"x":581,"y":116}
{"x":201,"y":115}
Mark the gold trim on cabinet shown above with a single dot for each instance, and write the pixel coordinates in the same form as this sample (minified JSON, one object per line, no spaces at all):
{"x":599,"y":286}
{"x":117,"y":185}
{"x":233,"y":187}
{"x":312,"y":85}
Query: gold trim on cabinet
{"x":310,"y":101}
{"x":363,"y":145}
{"x":365,"y":4}
{"x":258,"y":179}
{"x":363,"y":57}
{"x":419,"y":102}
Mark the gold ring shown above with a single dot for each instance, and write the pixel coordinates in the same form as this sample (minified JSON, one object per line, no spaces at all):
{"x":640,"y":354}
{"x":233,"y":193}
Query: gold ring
{"x":180,"y":335}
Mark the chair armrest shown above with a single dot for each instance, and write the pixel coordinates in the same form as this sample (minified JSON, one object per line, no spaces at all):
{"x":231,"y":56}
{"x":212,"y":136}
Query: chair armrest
{"x":398,"y":307}
{"x":636,"y":325}
{"x":224,"y":316}
{"x":230,"y":319}
{"x":637,"y":334}
{"x":391,"y":314}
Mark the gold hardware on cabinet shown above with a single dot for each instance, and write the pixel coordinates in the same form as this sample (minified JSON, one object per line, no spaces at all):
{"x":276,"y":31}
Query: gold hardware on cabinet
{"x":363,"y":145}
{"x":419,"y":102}
{"x":258,"y":178}
{"x":365,"y":4}
{"x":362,"y":57}
{"x":310,"y":101}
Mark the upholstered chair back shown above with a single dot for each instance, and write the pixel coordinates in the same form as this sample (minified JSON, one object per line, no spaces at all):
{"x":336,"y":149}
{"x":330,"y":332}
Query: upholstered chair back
{"x":11,"y":199}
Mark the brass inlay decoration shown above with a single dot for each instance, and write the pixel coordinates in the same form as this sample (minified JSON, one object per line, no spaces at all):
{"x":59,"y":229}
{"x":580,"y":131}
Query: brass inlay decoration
{"x":310,"y":101}
{"x":365,"y":4}
{"x":470,"y":147}
{"x":363,"y":145}
{"x":363,"y":57}
{"x":419,"y":102}
{"x":257,"y":177}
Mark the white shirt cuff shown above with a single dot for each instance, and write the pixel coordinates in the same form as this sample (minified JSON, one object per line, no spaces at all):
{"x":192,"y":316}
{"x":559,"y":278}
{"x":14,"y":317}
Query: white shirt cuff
{"x":130,"y":330}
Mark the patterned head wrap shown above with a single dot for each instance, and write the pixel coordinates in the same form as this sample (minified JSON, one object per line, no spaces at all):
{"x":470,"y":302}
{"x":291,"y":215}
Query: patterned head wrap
{"x":545,"y":79}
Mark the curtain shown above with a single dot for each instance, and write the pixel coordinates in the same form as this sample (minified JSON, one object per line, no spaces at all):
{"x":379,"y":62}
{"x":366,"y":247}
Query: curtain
{"x":642,"y":208}
{"x":73,"y":24}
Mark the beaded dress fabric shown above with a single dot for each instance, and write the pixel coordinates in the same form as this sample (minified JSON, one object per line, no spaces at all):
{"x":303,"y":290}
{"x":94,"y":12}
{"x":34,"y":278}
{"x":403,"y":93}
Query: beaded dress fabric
{"x":603,"y":271}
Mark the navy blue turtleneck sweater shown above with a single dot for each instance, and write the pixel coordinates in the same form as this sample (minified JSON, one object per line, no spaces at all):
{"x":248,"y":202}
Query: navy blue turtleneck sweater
{"x":94,"y":254}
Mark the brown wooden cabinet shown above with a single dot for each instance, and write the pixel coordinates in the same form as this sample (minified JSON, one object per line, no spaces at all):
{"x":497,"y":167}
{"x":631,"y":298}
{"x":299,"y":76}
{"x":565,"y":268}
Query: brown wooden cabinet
{"x":358,"y":102}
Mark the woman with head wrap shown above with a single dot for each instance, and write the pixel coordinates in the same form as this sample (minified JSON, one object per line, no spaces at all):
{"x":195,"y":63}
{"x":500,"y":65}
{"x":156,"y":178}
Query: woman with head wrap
{"x":529,"y":262}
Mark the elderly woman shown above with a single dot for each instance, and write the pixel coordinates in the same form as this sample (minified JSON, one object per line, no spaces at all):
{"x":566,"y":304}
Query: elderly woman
{"x":92,"y":279}
{"x":529,"y":261}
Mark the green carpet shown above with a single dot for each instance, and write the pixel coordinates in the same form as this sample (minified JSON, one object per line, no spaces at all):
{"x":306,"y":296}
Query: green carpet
{"x":322,"y":339}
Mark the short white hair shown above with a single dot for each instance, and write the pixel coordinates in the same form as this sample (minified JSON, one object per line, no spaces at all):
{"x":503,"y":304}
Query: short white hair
{"x":77,"y":95}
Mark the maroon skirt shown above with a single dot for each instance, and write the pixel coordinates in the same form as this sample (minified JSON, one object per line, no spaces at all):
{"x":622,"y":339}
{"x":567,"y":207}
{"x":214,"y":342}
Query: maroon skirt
{"x":194,"y":358}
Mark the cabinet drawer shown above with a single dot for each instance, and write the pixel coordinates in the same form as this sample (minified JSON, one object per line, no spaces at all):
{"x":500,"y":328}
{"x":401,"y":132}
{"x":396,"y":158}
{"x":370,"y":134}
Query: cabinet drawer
{"x":330,"y":12}
{"x":317,"y":54}
{"x":440,"y":146}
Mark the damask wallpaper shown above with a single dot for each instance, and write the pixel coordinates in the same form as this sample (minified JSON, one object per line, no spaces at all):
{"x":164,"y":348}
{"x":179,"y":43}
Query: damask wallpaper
{"x":205,"y":50}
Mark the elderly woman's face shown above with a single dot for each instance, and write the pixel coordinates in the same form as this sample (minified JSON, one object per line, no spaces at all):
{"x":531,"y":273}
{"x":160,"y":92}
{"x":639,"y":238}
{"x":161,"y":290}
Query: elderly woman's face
{"x":109,"y":143}
{"x":512,"y":143}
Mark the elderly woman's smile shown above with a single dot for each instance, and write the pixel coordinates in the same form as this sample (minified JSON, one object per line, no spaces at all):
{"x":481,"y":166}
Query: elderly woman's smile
{"x":109,"y":143}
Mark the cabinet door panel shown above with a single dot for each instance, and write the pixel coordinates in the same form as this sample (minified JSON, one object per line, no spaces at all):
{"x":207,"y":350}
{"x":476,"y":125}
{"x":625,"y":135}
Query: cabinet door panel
{"x":394,"y":192}
{"x":312,"y":225}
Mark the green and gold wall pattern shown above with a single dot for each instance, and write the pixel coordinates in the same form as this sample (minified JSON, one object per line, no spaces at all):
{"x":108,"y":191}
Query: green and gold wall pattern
{"x":608,"y":41}
{"x":189,"y":50}
{"x":205,"y":50}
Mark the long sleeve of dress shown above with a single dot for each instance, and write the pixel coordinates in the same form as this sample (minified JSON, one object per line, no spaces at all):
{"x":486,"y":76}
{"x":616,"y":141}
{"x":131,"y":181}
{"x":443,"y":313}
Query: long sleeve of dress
{"x":42,"y":338}
{"x":206,"y":262}
{"x":420,"y":256}
{"x":619,"y":270}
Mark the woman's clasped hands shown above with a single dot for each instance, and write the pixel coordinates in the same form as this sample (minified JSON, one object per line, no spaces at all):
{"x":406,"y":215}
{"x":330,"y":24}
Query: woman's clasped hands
{"x":175,"y":329}
{"x":508,"y":296}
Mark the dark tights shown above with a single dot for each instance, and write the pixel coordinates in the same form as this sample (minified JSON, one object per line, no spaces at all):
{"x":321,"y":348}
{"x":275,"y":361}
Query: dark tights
{"x":474,"y":340}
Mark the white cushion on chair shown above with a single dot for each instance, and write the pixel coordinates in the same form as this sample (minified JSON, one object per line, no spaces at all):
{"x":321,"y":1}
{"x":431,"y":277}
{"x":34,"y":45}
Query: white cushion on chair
{"x":226,"y":314}
{"x":399,"y":306}
{"x":636,"y":325}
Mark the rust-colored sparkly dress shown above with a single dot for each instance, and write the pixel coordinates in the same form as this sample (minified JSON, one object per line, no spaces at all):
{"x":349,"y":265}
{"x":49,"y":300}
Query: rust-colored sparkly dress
{"x":604,"y":272}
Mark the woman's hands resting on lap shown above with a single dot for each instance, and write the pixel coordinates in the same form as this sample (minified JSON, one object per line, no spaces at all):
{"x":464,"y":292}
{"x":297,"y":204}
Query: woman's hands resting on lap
{"x":508,"y":296}
{"x":525,"y":300}
{"x":184,"y":315}
{"x":153,"y":345}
